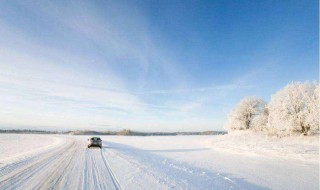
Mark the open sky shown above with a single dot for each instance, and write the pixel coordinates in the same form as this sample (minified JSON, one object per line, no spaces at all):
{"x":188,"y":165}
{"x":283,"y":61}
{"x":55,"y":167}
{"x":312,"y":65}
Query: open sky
{"x":148,"y":65}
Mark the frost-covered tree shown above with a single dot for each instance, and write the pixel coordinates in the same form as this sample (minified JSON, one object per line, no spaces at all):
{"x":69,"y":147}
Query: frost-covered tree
{"x":312,"y":118}
{"x":244,"y":115}
{"x":295,"y":109}
{"x":260,"y":121}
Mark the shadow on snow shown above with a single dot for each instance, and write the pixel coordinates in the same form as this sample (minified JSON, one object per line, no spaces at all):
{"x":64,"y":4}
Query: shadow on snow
{"x":183,"y":174}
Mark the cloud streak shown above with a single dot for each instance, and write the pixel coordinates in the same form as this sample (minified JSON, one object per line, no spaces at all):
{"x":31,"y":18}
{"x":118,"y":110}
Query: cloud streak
{"x":77,"y":65}
{"x":198,"y":90}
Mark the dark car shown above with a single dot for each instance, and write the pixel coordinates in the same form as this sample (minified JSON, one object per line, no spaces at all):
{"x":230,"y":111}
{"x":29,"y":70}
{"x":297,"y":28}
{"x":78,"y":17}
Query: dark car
{"x":95,"y":142}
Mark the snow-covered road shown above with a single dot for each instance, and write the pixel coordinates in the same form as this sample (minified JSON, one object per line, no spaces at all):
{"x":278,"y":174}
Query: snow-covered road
{"x":64,"y":162}
{"x":69,"y":165}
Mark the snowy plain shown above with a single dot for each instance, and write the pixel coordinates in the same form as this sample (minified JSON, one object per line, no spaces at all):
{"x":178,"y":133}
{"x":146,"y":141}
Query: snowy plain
{"x":163,"y":162}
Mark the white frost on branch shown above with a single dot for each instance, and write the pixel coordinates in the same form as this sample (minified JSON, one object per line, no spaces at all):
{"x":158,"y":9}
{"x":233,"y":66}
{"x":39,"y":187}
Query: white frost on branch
{"x":295,"y":109}
{"x":247,"y":114}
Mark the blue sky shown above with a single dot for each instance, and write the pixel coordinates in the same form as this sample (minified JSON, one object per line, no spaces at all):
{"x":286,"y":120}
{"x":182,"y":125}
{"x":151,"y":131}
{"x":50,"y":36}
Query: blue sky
{"x":148,"y":65}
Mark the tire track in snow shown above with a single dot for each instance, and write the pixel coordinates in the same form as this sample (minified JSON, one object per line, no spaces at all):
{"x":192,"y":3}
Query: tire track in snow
{"x":86,"y":175}
{"x":113,"y":177}
{"x":60,"y":170}
{"x":163,"y":180}
{"x":17,"y":176}
{"x":96,"y":173}
{"x":7,"y":169}
{"x":91,"y":175}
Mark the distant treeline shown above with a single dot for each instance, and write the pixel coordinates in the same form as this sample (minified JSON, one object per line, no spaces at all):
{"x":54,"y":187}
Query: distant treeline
{"x":29,"y":131}
{"x":127,"y":132}
{"x":124,"y":132}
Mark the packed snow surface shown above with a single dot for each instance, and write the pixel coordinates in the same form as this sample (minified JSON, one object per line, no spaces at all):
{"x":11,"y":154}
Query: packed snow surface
{"x":168,"y":162}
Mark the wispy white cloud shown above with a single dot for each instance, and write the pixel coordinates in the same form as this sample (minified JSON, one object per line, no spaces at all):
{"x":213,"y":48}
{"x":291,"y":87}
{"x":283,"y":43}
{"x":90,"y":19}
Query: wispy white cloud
{"x":65,"y":84}
{"x":119,"y":30}
{"x":198,"y":90}
{"x":48,"y":86}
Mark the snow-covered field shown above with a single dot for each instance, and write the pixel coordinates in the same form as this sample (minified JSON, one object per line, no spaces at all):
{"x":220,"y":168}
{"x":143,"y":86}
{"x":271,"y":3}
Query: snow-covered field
{"x":169,"y":162}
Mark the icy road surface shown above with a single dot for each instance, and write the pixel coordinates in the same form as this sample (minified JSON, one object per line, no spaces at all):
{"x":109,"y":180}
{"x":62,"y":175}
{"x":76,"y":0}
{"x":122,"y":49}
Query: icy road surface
{"x":177,"y":162}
